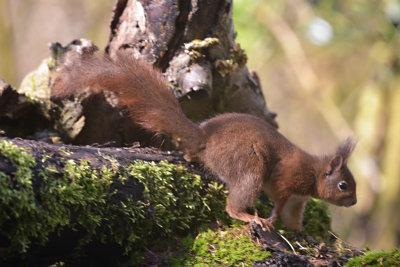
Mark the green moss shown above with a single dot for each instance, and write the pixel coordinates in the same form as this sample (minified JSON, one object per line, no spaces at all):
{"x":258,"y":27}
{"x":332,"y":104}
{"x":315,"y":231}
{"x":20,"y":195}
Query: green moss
{"x":65,"y":150}
{"x":375,"y":258}
{"x":229,"y":247}
{"x":225,"y":67}
{"x":239,"y":56}
{"x":17,"y":200}
{"x":179,"y":199}
{"x":75,"y":199}
{"x":197,"y":48}
{"x":317,"y":220}
{"x":78,"y":197}
{"x":20,"y":158}
{"x":237,"y":59}
{"x":45,"y":158}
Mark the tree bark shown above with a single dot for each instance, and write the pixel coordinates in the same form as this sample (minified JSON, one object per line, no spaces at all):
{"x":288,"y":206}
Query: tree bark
{"x":163,"y":33}
{"x":20,"y":116}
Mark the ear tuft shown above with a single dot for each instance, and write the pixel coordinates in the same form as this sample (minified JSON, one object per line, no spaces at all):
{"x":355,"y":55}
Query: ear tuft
{"x":335,"y":163}
{"x":346,"y":148}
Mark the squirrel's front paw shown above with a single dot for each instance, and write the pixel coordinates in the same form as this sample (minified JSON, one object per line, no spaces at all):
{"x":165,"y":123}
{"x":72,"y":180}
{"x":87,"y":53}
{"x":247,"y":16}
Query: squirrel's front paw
{"x":265,"y":224}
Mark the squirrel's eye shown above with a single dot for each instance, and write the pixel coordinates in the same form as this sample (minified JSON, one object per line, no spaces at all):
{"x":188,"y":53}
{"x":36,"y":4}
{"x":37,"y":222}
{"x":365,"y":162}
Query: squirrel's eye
{"x":342,"y":186}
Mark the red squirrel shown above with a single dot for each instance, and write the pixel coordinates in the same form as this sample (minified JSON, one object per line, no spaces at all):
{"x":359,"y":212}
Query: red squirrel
{"x":244,"y":151}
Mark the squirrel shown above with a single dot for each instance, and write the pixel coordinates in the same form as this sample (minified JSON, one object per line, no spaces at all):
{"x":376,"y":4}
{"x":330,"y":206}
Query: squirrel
{"x":245,"y":152}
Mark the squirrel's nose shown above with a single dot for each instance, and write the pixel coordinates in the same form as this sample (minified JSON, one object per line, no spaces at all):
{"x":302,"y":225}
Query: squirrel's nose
{"x":354,"y":201}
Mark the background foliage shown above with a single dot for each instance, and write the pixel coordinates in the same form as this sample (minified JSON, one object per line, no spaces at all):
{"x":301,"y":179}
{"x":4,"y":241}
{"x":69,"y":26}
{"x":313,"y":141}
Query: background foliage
{"x":328,"y":68}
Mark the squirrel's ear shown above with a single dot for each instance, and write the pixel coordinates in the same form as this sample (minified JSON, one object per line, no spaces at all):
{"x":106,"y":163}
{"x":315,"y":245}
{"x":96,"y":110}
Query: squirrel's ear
{"x":335,"y":163}
{"x":346,"y":148}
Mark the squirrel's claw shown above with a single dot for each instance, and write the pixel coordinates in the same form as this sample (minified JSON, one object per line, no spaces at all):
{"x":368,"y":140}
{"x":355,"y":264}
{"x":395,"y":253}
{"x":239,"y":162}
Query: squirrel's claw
{"x":265,"y":224}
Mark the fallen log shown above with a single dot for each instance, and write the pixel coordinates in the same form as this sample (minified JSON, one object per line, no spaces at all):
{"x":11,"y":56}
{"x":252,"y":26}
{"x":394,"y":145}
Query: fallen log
{"x":63,"y":201}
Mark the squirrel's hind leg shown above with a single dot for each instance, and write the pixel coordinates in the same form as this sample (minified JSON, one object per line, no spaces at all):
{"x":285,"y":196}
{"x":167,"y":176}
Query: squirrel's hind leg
{"x":241,"y":214}
{"x":242,"y":196}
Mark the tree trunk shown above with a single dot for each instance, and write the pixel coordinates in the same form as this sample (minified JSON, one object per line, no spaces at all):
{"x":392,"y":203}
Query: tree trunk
{"x":192,"y":42}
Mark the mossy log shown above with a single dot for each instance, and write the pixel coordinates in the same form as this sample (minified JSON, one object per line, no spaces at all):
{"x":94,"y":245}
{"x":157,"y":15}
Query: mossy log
{"x":92,"y":205}
{"x":70,"y":203}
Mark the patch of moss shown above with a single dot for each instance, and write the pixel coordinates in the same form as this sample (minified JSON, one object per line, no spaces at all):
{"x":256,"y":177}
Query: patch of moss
{"x":237,"y":59}
{"x":17,"y":200}
{"x":75,"y":200}
{"x":239,"y":56}
{"x":65,"y":150}
{"x":197,"y":48}
{"x":178,"y":198}
{"x":375,"y":258}
{"x":228,"y":247}
{"x":225,"y":66}
{"x":317,"y":220}
{"x":82,"y":199}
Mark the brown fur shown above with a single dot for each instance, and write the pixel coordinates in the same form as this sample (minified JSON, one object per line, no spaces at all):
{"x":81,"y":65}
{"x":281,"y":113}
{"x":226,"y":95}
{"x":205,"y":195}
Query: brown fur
{"x":244,"y":151}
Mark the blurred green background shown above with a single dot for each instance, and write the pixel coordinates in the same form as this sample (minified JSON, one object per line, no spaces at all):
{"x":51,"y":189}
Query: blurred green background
{"x":330,"y":69}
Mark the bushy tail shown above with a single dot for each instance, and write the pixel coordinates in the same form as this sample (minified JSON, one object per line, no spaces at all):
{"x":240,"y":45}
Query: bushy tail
{"x":139,"y":87}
